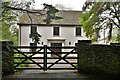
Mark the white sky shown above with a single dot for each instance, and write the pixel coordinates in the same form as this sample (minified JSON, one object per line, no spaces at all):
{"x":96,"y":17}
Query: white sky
{"x":74,"y":4}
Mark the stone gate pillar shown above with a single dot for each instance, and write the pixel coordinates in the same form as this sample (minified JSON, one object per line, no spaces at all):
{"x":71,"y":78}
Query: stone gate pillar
{"x":80,"y":49}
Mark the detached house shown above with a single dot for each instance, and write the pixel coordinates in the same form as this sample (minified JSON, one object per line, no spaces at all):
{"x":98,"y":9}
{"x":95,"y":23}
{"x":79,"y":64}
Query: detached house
{"x":63,"y":32}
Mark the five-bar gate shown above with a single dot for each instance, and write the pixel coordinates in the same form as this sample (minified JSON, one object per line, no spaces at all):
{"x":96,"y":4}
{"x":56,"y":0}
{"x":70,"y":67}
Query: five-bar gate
{"x":40,"y":56}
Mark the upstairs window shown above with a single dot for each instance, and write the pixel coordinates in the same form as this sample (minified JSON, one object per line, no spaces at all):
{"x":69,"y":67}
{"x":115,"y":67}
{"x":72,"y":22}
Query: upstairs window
{"x":78,"y":31}
{"x":55,"y":31}
{"x":33,"y":29}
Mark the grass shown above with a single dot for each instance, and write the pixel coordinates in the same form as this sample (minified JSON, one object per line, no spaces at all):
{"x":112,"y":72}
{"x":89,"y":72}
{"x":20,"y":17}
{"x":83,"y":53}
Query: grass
{"x":20,"y":60}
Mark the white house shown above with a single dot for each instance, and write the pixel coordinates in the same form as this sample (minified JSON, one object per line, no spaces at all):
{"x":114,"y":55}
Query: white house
{"x":63,"y":32}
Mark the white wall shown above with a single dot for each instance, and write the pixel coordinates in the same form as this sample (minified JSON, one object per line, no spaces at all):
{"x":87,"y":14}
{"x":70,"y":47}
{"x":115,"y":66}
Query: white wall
{"x":45,"y":32}
{"x":25,"y":31}
{"x":67,"y":33}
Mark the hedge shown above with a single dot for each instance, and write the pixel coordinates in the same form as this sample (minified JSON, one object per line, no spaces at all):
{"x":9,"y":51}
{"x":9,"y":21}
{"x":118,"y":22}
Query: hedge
{"x":96,"y":58}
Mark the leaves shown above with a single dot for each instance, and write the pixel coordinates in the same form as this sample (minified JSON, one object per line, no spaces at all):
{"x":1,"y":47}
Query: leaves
{"x":35,"y":37}
{"x":12,"y":10}
{"x":51,"y":13}
{"x":100,"y":15}
{"x":8,"y":20}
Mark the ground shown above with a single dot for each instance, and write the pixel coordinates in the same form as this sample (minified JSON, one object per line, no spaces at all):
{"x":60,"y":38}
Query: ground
{"x":52,"y":75}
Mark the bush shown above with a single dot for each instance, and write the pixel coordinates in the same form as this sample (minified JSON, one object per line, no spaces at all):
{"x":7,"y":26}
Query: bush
{"x":7,"y":58}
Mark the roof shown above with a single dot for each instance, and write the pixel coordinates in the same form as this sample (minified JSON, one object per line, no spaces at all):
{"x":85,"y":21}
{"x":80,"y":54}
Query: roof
{"x":69,"y":17}
{"x":65,"y":25}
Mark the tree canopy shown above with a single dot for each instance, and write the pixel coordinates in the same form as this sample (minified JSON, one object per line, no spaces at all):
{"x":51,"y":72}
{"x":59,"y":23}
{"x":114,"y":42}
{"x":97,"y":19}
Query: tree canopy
{"x":7,"y":20}
{"x":99,"y":16}
{"x":12,"y":10}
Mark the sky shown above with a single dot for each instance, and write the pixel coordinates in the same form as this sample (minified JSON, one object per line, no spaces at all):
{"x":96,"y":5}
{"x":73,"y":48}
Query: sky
{"x":74,"y":4}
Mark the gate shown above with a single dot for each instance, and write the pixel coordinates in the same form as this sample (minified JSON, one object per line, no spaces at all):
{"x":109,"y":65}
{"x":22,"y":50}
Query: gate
{"x":43,"y":61}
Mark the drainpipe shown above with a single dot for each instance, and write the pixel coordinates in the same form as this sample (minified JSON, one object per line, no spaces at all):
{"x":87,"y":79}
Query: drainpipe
{"x":20,"y":35}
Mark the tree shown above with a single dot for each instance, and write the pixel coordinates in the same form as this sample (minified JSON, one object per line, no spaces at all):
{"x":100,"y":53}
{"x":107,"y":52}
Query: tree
{"x":11,"y":11}
{"x":98,"y":16}
{"x":50,"y":13}
{"x":9,"y":31}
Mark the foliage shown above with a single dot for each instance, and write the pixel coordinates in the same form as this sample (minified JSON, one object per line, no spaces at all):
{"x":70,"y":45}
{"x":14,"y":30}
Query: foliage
{"x":50,"y":16}
{"x":51,"y":13}
{"x":9,"y":30}
{"x":99,"y":16}
{"x":19,"y":60}
{"x":35,"y":37}
{"x":8,"y":20}
{"x":7,"y":58}
{"x":11,"y":11}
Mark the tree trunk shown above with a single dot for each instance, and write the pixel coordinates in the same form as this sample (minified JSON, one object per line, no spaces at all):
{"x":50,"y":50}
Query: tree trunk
{"x":118,"y":34}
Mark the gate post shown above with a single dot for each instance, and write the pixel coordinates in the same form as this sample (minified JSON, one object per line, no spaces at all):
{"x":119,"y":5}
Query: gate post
{"x":80,"y":45}
{"x":45,"y":58}
{"x":77,"y":56}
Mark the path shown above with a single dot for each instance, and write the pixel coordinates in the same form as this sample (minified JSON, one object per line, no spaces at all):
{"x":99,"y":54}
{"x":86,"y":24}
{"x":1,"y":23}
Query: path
{"x":49,"y":75}
{"x":53,"y":74}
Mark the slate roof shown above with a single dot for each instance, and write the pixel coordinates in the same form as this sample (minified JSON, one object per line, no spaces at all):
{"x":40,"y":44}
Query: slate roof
{"x":69,"y":17}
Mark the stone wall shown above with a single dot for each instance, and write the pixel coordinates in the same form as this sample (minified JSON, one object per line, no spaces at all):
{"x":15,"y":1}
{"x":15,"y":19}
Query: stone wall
{"x":96,"y":58}
{"x":0,"y":61}
{"x":7,"y":58}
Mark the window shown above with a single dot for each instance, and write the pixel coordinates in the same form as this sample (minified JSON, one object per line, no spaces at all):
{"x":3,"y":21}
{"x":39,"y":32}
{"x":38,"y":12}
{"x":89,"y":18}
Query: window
{"x":33,"y":29}
{"x":56,"y":31}
{"x":78,"y":31}
{"x":69,"y":43}
{"x":42,"y":43}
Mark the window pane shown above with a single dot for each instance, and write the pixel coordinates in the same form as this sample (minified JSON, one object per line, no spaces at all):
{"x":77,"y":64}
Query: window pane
{"x":78,"y":31}
{"x":33,"y":29}
{"x":56,"y":31}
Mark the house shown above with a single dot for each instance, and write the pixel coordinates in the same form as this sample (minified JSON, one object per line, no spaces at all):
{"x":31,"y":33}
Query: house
{"x":63,"y":32}
{"x":104,"y":32}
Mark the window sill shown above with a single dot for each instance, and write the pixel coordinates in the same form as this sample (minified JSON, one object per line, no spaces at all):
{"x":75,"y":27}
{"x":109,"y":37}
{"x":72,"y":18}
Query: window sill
{"x":78,"y":36}
{"x":56,"y":35}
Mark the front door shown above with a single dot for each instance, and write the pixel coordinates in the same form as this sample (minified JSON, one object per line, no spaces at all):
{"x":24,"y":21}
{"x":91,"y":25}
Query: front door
{"x":56,"y":49}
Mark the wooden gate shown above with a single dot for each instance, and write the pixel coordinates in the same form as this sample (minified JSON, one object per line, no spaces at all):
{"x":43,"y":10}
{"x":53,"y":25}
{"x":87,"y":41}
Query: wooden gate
{"x":23,"y":55}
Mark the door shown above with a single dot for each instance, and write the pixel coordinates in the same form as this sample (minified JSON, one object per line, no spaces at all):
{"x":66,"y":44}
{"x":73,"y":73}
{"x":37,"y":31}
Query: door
{"x":56,"y":49}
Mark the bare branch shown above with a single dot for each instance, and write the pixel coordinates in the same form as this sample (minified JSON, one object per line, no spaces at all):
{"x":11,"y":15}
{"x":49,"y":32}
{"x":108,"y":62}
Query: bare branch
{"x":30,"y":17}
{"x":113,"y":22}
{"x":116,"y":13}
{"x":24,"y":10}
